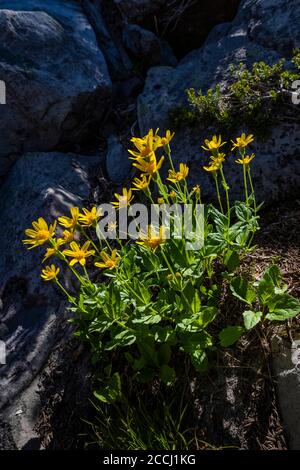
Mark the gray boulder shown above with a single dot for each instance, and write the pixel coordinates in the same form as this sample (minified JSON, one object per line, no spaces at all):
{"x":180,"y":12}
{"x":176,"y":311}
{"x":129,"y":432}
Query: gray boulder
{"x":277,"y":165}
{"x":118,"y":165}
{"x":58,"y":86}
{"x":142,"y":44}
{"x":117,"y":60}
{"x":145,"y":47}
{"x":44,"y":185}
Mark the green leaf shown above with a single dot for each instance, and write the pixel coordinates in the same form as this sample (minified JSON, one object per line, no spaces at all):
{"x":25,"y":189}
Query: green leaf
{"x":148,"y":319}
{"x":241,"y":289}
{"x":167,"y":374}
{"x":208,"y":314}
{"x":282,"y":307}
{"x":146,"y":346}
{"x":230,"y":335}
{"x":112,"y":392}
{"x":125,"y":338}
{"x":265,"y":290}
{"x":251,"y":319}
{"x":232,"y":260}
{"x":145,"y":375}
{"x":243,"y":212}
{"x":193,"y":341}
{"x":199,"y":360}
{"x":270,"y":284}
{"x":273,"y":275}
{"x":163,"y":334}
{"x":139,"y":363}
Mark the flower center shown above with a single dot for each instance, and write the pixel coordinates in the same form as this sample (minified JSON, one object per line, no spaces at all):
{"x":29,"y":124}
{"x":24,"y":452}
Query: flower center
{"x":43,"y":235}
{"x":80,"y":254}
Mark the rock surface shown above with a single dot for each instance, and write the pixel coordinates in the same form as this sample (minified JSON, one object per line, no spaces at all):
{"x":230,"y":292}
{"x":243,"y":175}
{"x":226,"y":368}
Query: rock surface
{"x":142,"y":44}
{"x":58,"y":86}
{"x":277,"y":165}
{"x":184,"y":24}
{"x":118,"y":165}
{"x":44,"y":185}
{"x":286,"y":365}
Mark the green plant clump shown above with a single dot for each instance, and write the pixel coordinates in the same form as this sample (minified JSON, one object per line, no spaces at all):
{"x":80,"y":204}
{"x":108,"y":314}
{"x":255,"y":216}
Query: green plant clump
{"x":161,"y":299}
{"x":255,"y":98}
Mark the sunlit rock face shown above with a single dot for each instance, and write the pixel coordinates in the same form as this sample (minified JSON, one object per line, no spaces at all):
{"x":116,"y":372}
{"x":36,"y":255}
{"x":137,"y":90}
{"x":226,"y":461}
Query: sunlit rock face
{"x":260,"y":31}
{"x":39,"y":185}
{"x":58,"y":85}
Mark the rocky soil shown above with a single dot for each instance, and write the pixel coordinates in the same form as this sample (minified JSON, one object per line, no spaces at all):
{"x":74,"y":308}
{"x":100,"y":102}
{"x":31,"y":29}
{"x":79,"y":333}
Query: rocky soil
{"x":81,"y":78}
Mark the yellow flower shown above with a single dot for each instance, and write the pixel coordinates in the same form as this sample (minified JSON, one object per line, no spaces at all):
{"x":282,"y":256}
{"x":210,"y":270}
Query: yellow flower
{"x":50,"y":273}
{"x":242,"y":141}
{"x":124,"y":199}
{"x":141,"y":183}
{"x":70,"y":222}
{"x":172,"y":194}
{"x":246,"y":160}
{"x":145,"y":146}
{"x":218,"y":159}
{"x":109,"y":262}
{"x":214,"y":144}
{"x":212,"y":168}
{"x":164,"y":141}
{"x":175,"y":176}
{"x":68,"y":236}
{"x":54,"y":249}
{"x":149,"y":166}
{"x":79,"y":254}
{"x":197,"y":189}
{"x":160,"y":200}
{"x":89,"y":217}
{"x":112,"y":226}
{"x":40,"y":233}
{"x":152,"y":239}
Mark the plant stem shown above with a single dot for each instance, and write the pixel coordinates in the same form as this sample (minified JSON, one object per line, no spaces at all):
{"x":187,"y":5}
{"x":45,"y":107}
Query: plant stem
{"x":227,"y":194}
{"x":69,"y":297}
{"x":218,"y":192}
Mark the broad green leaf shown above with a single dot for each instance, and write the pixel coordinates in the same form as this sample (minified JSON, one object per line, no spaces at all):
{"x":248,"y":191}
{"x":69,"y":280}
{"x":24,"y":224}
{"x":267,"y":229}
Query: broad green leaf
{"x":167,"y":374}
{"x":125,"y":338}
{"x":112,"y":391}
{"x":163,"y":334}
{"x":273,"y":274}
{"x":232,"y":260}
{"x":243,"y":212}
{"x":208,"y":314}
{"x":269,"y":284}
{"x":193,"y":341}
{"x":282,"y":307}
{"x":230,"y":335}
{"x":251,"y":319}
{"x":265,"y":290}
{"x":148,"y":319}
{"x":242,"y":290}
{"x":199,"y":360}
{"x":139,"y":363}
{"x":146,"y":347}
